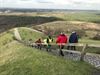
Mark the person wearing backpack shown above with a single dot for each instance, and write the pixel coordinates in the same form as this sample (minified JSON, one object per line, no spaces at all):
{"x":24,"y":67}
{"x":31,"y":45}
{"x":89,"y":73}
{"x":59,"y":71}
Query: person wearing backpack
{"x":73,"y":39}
{"x":48,"y":42}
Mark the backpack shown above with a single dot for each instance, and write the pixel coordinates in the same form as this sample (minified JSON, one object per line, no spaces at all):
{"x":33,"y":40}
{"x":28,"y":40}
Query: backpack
{"x":49,"y":40}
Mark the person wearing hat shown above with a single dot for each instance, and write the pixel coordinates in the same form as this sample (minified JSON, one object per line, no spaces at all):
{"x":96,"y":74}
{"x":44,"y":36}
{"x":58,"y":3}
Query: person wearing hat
{"x":73,"y":39}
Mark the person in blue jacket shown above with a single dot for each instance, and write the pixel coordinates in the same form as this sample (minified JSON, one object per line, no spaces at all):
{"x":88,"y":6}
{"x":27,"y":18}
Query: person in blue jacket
{"x":73,"y":39}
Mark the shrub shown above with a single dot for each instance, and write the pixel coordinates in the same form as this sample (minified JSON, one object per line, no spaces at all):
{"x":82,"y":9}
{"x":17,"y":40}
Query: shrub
{"x":96,"y":37}
{"x":81,"y":33}
{"x":58,"y":31}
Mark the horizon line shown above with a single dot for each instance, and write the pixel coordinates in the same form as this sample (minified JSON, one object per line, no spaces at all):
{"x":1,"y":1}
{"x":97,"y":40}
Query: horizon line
{"x":51,"y":9}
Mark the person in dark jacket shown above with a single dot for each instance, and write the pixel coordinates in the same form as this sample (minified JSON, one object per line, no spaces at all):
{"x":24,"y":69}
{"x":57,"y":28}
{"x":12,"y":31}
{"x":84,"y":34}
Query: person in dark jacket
{"x":38,"y":43}
{"x":61,"y":41}
{"x":73,"y":39}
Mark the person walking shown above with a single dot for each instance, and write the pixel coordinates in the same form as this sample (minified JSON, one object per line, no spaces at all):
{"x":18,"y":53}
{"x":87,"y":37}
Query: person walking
{"x":73,"y":39}
{"x":61,"y":41}
{"x":39,"y":43}
{"x":48,"y":42}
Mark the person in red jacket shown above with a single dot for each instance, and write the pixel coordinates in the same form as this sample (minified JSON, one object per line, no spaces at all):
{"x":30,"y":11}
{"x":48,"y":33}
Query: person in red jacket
{"x":61,"y":41}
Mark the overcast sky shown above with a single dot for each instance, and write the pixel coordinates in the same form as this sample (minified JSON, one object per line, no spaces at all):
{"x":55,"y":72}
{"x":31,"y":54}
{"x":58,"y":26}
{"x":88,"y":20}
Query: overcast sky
{"x":53,"y":4}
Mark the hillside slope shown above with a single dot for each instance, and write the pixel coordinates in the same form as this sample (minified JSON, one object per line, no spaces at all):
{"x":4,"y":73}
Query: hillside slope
{"x":69,"y":25}
{"x":17,"y":59}
{"x":83,"y":29}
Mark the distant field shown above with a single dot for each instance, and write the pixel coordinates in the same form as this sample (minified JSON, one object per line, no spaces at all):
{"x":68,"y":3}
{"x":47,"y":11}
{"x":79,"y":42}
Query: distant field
{"x":68,"y":16}
{"x":86,"y":17}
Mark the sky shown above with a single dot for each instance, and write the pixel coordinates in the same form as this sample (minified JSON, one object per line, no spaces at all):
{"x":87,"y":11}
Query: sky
{"x":52,"y":4}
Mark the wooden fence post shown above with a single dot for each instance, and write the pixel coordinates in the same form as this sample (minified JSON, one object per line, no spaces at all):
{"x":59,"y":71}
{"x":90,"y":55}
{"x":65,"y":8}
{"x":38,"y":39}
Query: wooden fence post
{"x":83,"y":53}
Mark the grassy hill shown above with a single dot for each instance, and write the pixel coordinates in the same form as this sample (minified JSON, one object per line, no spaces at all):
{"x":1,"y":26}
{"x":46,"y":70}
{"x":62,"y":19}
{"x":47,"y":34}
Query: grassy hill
{"x":85,"y":30}
{"x":69,"y":26}
{"x":18,"y":59}
{"x":6,"y":37}
{"x":27,"y":33}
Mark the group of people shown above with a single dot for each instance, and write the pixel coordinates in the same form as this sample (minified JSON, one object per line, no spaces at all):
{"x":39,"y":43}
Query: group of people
{"x":61,"y":41}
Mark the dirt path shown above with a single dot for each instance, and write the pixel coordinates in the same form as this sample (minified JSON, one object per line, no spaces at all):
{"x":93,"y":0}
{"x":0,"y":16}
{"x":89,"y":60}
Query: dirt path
{"x":32,"y":30}
{"x":16,"y":34}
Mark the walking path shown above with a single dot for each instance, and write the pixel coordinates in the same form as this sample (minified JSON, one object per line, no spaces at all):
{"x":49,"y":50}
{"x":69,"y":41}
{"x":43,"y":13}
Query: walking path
{"x":93,"y":59}
{"x":32,"y":30}
{"x":16,"y":34}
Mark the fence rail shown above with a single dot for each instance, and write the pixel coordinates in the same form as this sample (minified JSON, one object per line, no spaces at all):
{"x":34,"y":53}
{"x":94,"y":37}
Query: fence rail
{"x":82,"y":52}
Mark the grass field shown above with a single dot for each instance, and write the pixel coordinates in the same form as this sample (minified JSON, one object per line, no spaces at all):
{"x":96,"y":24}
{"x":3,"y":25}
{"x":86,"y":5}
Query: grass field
{"x":91,"y":49}
{"x":89,"y":41}
{"x":6,"y":37}
{"x":76,"y":16}
{"x":17,"y":59}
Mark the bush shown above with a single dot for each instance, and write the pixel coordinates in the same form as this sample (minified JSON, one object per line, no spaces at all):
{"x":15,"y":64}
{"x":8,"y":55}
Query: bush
{"x":81,"y":33}
{"x":96,"y":37}
{"x":51,"y":31}
{"x":48,"y":31}
{"x":58,"y":31}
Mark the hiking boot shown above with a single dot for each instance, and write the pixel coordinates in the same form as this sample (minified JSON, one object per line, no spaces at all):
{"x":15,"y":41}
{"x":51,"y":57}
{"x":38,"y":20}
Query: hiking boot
{"x":61,"y":53}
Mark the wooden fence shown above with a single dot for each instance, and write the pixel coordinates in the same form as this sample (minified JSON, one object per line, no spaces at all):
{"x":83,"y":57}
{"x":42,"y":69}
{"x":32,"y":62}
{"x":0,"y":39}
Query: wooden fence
{"x":82,"y":52}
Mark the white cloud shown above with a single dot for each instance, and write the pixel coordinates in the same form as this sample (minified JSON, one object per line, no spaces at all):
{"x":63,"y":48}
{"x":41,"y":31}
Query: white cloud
{"x":66,"y":4}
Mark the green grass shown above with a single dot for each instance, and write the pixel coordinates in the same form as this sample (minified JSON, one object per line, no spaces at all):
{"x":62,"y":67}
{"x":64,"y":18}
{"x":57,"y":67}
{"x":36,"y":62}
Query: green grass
{"x":89,"y":41}
{"x":90,"y":49}
{"x":28,"y":34}
{"x":18,"y":59}
{"x":5,"y":38}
